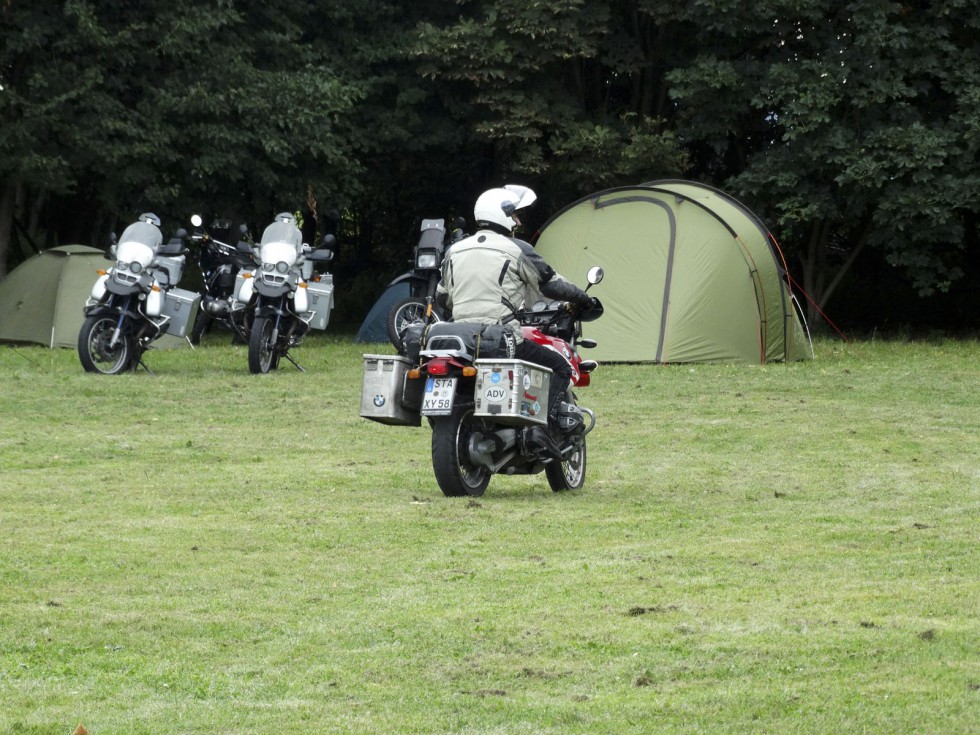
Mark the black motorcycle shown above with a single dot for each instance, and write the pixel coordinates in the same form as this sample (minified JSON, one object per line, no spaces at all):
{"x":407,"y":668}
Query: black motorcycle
{"x":420,"y":306}
{"x":220,"y":263}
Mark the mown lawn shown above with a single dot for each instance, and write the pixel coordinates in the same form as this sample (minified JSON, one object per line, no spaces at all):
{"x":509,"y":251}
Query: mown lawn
{"x":789,"y":548}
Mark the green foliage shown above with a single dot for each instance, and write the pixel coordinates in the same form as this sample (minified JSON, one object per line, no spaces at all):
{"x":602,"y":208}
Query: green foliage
{"x":843,"y":126}
{"x":554,"y":88}
{"x":172,"y":105}
{"x":861,"y":121}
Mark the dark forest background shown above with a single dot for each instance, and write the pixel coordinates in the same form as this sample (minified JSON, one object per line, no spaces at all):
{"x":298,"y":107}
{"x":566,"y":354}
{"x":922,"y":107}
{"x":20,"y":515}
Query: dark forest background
{"x":851,"y":129}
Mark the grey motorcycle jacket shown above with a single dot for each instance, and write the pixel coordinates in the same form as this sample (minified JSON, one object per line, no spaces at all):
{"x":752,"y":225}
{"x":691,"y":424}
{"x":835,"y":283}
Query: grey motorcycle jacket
{"x":488,"y":277}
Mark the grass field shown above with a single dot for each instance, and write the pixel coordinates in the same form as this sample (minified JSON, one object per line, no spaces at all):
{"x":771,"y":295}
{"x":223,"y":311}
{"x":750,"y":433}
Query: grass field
{"x":780,"y":549}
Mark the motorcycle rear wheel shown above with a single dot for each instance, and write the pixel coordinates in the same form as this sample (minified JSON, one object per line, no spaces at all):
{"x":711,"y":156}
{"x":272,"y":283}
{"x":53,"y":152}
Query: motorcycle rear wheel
{"x":404,"y":313}
{"x":94,"y":351}
{"x":262,"y":355}
{"x":570,"y":474}
{"x":456,"y":475}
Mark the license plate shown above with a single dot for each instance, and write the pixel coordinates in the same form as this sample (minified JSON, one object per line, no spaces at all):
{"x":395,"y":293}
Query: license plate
{"x":438,"y":397}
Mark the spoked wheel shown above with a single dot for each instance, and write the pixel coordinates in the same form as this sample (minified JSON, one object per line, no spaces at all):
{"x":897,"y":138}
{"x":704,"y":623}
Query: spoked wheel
{"x":262,"y":346}
{"x":456,"y":475}
{"x":97,"y":353}
{"x":402,"y":314}
{"x":570,"y":474}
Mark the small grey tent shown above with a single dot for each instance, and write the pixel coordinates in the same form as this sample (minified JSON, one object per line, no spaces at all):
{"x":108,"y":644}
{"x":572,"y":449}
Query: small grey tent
{"x":374,"y":328}
{"x":41,"y":300}
{"x":691,"y":276}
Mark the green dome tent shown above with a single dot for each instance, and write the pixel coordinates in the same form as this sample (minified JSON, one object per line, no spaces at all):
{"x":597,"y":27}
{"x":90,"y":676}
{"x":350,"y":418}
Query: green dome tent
{"x":691,"y":276}
{"x":41,"y":300}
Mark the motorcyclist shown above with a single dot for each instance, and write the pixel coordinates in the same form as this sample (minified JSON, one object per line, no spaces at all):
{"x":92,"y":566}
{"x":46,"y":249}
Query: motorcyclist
{"x":491,"y":275}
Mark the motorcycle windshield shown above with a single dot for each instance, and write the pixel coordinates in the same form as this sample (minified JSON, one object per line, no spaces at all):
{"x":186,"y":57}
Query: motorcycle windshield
{"x":282,"y":242}
{"x":283,"y":232}
{"x":138,"y":244}
{"x":142,"y":233}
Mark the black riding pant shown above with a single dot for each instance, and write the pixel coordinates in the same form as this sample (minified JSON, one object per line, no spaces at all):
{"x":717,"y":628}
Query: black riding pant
{"x":561,"y":372}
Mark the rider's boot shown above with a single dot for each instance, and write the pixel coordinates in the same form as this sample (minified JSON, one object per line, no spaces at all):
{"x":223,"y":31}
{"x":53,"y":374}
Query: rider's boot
{"x":549,"y":440}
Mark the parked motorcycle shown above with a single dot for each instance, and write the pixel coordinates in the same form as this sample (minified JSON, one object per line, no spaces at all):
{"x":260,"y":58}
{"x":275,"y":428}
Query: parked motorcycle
{"x":282,"y":298}
{"x":488,"y":411}
{"x":136,"y":301}
{"x":420,"y":306}
{"x":220,"y":262}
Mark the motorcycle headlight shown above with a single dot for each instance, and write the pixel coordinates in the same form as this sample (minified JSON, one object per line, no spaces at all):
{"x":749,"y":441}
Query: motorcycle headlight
{"x":268,"y":267}
{"x":135,"y":267}
{"x":426,"y":259}
{"x":121,"y":266}
{"x":282,"y":266}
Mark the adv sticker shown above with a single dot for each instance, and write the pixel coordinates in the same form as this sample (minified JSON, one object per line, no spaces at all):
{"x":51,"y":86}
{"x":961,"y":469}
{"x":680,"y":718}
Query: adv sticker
{"x":494,"y":394}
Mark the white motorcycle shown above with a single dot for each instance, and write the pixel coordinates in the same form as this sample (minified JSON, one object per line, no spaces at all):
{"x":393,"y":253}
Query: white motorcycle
{"x":282,"y":298}
{"x":136,"y":301}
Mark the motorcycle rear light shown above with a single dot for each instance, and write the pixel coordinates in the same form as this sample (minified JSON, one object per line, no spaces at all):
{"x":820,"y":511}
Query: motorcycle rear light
{"x":437,"y":368}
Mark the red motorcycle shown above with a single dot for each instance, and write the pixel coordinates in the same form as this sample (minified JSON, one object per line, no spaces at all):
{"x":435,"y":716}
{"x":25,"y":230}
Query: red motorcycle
{"x":488,"y":411}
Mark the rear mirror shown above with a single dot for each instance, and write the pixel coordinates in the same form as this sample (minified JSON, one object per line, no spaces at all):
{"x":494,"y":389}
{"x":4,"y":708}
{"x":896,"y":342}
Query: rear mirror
{"x":328,"y":241}
{"x":595,"y":275}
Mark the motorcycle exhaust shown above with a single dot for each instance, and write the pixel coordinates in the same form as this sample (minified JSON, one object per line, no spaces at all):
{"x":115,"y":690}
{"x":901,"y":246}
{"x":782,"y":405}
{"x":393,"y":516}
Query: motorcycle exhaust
{"x":481,"y":449}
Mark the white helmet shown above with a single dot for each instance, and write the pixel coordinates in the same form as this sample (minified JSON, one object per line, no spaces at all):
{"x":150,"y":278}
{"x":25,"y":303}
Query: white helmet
{"x":497,"y":206}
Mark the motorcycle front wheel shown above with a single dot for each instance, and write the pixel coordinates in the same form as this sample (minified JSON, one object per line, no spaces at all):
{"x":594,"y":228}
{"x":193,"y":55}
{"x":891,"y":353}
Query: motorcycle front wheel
{"x":262,"y":347}
{"x":201,"y":325}
{"x":570,"y":474}
{"x":454,"y":472}
{"x":402,"y":315}
{"x":95,"y":351}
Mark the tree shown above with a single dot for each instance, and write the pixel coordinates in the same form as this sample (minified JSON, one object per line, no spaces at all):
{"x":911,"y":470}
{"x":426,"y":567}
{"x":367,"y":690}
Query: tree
{"x":111,"y":109}
{"x":568,"y":92}
{"x":851,"y":126}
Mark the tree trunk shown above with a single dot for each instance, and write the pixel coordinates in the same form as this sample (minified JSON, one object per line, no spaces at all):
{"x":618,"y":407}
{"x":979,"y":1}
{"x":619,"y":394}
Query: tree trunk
{"x":811,"y":269}
{"x":842,"y":271}
{"x":819,"y":284}
{"x":8,"y":196}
